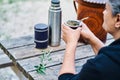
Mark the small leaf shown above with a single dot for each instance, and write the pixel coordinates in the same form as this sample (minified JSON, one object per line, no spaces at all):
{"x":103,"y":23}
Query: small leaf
{"x":45,"y":64}
{"x":41,"y":71}
{"x":36,"y":66}
{"x":41,"y":68}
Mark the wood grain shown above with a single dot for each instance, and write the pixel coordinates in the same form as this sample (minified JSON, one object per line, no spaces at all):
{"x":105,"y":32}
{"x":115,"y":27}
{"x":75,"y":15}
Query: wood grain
{"x":25,"y":56}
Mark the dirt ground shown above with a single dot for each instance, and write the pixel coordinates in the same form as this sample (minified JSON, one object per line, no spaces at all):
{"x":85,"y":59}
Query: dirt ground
{"x":18,"y":19}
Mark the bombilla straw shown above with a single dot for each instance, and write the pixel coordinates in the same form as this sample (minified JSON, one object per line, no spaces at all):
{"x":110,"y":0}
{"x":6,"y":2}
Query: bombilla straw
{"x":84,"y":18}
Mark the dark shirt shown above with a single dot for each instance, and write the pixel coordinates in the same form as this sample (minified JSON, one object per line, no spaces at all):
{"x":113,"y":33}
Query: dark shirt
{"x":105,"y":66}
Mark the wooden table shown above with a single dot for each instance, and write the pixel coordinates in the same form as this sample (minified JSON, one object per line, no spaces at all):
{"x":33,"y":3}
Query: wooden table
{"x":25,"y":56}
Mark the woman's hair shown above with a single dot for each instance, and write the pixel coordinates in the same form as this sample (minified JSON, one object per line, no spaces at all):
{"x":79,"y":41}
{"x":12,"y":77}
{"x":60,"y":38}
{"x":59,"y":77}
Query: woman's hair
{"x":115,"y":6}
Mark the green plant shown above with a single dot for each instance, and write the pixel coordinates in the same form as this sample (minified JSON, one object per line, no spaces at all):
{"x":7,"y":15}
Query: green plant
{"x":44,"y":58}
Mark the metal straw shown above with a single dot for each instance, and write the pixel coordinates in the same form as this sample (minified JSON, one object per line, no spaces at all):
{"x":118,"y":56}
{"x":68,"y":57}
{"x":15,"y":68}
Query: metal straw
{"x":84,"y":18}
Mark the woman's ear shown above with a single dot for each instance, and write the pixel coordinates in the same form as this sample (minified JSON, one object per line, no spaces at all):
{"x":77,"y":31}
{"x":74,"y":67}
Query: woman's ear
{"x":117,"y":24}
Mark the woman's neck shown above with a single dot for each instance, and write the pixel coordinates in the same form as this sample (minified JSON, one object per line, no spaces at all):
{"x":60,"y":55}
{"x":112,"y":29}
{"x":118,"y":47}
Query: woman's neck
{"x":116,"y":35}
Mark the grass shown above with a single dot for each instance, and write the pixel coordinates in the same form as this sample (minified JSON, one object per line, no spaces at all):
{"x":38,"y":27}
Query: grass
{"x":13,"y":1}
{"x":3,"y":17}
{"x":10,"y":1}
{"x":8,"y":8}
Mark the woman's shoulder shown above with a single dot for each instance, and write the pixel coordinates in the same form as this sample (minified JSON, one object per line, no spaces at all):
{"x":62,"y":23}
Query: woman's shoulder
{"x":114,"y":47}
{"x":109,"y":54}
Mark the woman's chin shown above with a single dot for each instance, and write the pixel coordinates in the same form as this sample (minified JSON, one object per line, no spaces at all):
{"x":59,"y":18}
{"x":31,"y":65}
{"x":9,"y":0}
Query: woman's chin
{"x":104,"y":26}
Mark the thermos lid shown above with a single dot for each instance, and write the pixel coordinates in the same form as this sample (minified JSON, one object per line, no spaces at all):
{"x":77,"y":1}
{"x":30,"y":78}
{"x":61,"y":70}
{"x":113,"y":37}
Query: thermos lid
{"x":41,"y":26}
{"x":55,"y":1}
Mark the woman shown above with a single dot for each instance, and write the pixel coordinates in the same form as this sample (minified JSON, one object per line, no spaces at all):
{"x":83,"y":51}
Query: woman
{"x":106,"y":64}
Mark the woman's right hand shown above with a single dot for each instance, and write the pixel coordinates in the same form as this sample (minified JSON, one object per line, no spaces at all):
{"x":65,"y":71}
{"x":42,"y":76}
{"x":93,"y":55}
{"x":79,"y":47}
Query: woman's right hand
{"x":70,"y":35}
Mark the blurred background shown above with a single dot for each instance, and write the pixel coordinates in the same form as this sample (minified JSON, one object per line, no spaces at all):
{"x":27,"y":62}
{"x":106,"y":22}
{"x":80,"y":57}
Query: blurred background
{"x":18,"y":17}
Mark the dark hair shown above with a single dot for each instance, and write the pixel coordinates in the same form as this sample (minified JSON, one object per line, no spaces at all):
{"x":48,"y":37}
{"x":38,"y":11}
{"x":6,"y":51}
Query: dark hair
{"x":115,"y":6}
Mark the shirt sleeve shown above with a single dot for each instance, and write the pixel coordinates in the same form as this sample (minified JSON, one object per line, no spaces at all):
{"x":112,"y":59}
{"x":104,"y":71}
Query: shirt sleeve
{"x":89,"y":72}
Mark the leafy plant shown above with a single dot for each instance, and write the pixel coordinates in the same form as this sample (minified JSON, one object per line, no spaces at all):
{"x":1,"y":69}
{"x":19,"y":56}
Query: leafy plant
{"x":44,"y":58}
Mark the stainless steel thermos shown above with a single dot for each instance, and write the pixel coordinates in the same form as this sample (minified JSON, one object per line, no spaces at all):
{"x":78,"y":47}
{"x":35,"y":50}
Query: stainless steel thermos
{"x":54,"y":23}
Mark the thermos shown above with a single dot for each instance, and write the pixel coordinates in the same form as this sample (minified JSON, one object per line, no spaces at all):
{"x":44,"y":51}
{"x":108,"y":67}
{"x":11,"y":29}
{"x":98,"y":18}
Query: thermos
{"x":54,"y":23}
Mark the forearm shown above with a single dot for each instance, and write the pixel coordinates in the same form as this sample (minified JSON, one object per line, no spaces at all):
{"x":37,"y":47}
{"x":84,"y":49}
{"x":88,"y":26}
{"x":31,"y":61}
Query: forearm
{"x":68,"y":65}
{"x":96,"y":44}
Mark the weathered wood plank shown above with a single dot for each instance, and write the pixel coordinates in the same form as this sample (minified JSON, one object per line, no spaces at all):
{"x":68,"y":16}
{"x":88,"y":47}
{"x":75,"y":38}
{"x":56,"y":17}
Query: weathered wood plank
{"x":53,"y":72}
{"x":25,"y":40}
{"x":19,"y":51}
{"x":84,"y":51}
{"x":4,"y":60}
{"x":31,"y":51}
{"x":1,"y":52}
{"x":6,"y":45}
{"x":25,"y":65}
{"x":27,"y":51}
{"x":24,"y":47}
{"x":18,"y":42}
{"x":8,"y":74}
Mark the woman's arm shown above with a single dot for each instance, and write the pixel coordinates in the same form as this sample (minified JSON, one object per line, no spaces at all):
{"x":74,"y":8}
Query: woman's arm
{"x":96,"y":44}
{"x":68,"y":65}
{"x":91,"y":38}
{"x":70,"y":37}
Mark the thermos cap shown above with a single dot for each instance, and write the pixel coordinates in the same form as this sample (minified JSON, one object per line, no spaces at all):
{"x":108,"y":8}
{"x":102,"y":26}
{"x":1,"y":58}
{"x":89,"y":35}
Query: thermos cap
{"x":41,"y":26}
{"x":55,"y":1}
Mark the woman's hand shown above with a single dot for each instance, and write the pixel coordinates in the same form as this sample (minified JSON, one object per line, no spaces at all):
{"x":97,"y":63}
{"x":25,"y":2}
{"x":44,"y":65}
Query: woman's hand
{"x":70,"y":35}
{"x":91,"y":38}
{"x":86,"y":33}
